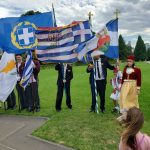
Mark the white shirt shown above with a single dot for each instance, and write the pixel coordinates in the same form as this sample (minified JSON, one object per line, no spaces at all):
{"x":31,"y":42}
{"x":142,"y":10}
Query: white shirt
{"x":18,"y":75}
{"x":116,"y":81}
{"x":65,"y":68}
{"x":100,"y":70}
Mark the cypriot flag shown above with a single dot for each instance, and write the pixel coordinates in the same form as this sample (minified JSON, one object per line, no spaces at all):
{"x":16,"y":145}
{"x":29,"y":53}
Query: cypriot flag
{"x":8,"y":75}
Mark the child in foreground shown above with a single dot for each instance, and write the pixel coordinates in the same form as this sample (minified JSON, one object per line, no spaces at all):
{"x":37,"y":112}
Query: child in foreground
{"x":132,"y":138}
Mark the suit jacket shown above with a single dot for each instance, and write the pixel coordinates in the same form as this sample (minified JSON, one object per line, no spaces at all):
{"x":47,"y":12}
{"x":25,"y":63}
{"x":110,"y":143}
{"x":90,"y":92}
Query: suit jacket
{"x":105,"y":65}
{"x":69,"y":74}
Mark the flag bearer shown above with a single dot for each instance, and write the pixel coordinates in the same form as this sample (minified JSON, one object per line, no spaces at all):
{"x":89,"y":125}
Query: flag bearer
{"x":31,"y":91}
{"x":100,"y":67}
{"x":20,"y":90}
{"x":92,"y":86}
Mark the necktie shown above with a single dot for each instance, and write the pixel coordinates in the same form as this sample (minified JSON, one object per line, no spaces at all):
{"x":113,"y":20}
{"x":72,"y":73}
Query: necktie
{"x":62,"y":71}
{"x":98,"y":71}
{"x":65,"y":67}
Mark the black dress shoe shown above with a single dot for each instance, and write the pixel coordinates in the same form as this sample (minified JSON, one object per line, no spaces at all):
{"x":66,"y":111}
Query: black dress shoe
{"x":70,"y":106}
{"x":58,"y":110}
{"x":37,"y":109}
{"x":91,"y":110}
{"x":8,"y":108}
{"x":23,"y":108}
{"x":30,"y":109}
{"x":12,"y":108}
{"x":102,"y":111}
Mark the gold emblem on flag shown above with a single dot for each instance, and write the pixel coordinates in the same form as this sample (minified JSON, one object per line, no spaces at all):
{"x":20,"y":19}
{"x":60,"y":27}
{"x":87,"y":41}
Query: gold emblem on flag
{"x":14,"y":36}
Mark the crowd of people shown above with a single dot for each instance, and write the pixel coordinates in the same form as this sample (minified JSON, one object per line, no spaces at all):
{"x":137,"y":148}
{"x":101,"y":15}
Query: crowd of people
{"x":126,"y":85}
{"x":126,"y":88}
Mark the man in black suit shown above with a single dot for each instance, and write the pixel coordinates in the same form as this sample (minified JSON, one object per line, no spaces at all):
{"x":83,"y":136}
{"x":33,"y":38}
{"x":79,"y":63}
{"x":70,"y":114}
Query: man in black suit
{"x":100,"y":66}
{"x":65,"y":75}
{"x":31,"y":91}
{"x":21,"y":92}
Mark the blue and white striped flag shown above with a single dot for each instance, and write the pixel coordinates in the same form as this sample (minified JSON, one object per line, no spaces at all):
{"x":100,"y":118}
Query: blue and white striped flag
{"x":113,"y":49}
{"x":28,"y":70}
{"x":59,"y":44}
{"x":105,"y":40}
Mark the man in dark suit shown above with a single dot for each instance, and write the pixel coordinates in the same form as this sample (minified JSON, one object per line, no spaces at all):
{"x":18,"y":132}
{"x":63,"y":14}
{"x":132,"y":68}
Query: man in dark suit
{"x":65,"y":75}
{"x":31,"y":91}
{"x":20,"y":90}
{"x":100,"y":68}
{"x":92,"y":85}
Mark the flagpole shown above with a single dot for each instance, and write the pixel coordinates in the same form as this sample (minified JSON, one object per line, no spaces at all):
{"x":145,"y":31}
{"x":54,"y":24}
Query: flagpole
{"x":90,"y":18}
{"x":117,"y":12}
{"x":96,"y":106}
{"x":54,"y":17}
{"x":95,"y":86}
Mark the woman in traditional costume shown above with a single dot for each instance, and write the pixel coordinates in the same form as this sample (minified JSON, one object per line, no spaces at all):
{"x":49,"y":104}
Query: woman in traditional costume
{"x":131,"y":84}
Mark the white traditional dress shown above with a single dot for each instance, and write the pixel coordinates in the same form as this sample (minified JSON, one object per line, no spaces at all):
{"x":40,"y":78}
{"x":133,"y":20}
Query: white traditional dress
{"x":116,"y":84}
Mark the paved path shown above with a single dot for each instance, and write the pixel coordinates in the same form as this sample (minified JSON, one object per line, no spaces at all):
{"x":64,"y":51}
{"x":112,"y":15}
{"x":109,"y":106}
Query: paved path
{"x":15,"y":134}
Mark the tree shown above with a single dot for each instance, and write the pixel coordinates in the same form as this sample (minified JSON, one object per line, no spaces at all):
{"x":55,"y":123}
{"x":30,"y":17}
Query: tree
{"x":148,"y":54}
{"x":30,"y":12}
{"x":122,"y":48}
{"x":128,"y":50}
{"x":140,"y":50}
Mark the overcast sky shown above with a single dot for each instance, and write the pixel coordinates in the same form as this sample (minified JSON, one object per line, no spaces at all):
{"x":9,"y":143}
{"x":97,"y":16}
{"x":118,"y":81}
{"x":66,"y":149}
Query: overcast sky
{"x":134,"y":18}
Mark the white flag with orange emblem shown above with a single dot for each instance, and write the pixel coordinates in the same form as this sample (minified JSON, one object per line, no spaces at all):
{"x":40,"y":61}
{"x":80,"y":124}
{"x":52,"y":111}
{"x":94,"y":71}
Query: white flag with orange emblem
{"x":8,"y":75}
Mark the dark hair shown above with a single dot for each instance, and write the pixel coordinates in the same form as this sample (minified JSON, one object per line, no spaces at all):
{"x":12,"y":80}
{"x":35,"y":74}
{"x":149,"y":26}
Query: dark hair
{"x":133,"y":124}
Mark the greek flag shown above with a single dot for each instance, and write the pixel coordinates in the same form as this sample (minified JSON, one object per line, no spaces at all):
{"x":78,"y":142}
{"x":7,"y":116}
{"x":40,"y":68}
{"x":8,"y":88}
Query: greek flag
{"x":58,"y":44}
{"x":106,"y":40}
{"x":113,"y":49}
{"x":28,"y":70}
{"x":87,"y":58}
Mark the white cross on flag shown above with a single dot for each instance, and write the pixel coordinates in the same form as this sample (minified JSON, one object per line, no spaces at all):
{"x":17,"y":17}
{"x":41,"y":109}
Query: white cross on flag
{"x":82,"y":31}
{"x":25,"y":36}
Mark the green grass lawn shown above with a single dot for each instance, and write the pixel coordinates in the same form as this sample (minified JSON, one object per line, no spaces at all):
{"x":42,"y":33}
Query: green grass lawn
{"x":78,"y":128}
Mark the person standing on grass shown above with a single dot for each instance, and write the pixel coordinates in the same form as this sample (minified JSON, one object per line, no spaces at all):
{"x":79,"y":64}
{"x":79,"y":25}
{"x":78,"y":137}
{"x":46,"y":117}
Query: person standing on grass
{"x":92,"y":86}
{"x":34,"y":102}
{"x":65,"y":75}
{"x":20,"y":90}
{"x":131,"y":84}
{"x":11,"y":101}
{"x":31,"y":91}
{"x":100,"y":66}
{"x":132,"y":138}
{"x":116,"y":84}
